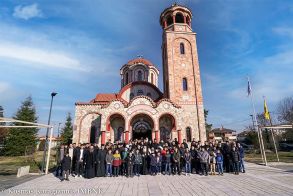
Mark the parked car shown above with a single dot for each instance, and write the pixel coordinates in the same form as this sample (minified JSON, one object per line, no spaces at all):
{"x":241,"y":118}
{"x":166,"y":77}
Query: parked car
{"x":247,"y":147}
{"x":286,"y":146}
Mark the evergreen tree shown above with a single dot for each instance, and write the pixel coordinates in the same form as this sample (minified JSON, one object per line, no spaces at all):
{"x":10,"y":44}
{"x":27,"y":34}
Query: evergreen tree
{"x":21,"y":141}
{"x":3,"y":131}
{"x":208,"y":126}
{"x":1,"y":115}
{"x":67,"y":133}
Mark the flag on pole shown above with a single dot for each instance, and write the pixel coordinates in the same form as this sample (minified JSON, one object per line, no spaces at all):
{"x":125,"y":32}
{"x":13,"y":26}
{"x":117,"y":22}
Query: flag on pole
{"x":266,"y":111}
{"x":248,"y":88}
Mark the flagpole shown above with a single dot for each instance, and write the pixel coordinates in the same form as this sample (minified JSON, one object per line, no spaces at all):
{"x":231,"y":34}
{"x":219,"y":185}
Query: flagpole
{"x":262,"y":151}
{"x":272,"y":131}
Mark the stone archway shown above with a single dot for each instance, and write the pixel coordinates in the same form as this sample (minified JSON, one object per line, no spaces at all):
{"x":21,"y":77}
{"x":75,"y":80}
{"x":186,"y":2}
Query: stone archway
{"x":167,"y":125}
{"x":141,"y":126}
{"x":117,"y":127}
{"x":95,"y":130}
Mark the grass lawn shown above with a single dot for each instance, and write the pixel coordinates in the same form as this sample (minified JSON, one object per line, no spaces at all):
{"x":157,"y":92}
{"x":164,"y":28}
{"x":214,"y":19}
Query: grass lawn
{"x":286,"y":157}
{"x":9,"y":165}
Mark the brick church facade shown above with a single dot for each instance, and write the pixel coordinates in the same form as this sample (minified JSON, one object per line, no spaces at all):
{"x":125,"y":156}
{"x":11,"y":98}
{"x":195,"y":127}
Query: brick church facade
{"x":140,"y":109}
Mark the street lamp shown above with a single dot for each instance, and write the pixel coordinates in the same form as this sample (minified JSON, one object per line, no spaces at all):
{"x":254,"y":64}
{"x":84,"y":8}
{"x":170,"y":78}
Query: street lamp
{"x":53,"y":94}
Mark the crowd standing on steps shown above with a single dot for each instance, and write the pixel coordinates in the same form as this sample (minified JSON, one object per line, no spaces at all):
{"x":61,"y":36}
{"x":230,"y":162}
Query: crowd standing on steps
{"x":144,"y":157}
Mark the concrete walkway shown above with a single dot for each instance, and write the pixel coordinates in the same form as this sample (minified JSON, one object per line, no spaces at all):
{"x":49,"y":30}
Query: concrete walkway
{"x":259,"y":180}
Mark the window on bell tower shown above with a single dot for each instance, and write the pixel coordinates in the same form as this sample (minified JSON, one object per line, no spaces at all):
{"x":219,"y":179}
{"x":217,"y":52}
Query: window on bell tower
{"x":179,"y":18}
{"x":169,"y":20}
{"x":184,"y":83}
{"x":182,"y":49}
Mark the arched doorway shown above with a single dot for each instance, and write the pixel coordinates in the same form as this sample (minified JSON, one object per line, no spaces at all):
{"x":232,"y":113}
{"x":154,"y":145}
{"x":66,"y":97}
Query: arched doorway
{"x":142,"y":126}
{"x":117,"y":127}
{"x":95,"y":130}
{"x":167,"y":125}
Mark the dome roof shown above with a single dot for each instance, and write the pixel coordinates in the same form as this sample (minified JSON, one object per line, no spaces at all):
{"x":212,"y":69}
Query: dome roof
{"x":140,"y":60}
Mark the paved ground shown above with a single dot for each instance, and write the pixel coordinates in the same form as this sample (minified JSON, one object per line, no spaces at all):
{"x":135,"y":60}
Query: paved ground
{"x":258,"y":180}
{"x":8,"y":181}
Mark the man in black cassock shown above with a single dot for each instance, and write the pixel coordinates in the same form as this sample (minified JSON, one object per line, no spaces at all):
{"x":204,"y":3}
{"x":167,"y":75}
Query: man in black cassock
{"x":89,"y":162}
{"x":100,"y":162}
{"x":96,"y":149}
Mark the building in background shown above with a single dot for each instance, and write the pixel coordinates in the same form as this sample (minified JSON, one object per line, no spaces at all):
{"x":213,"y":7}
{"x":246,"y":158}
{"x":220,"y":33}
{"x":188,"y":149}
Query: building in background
{"x":140,"y":109}
{"x":222,"y":134}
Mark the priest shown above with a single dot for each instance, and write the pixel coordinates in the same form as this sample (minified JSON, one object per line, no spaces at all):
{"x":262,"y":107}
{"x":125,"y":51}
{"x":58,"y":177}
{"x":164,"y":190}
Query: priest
{"x":89,"y":162}
{"x":101,"y":162}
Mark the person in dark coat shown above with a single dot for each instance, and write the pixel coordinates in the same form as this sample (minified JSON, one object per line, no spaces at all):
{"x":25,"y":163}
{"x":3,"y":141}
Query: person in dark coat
{"x":101,"y":162}
{"x":130,"y":163}
{"x":241,"y":153}
{"x":124,"y":155}
{"x":193,"y":154}
{"x":79,"y":160}
{"x":137,"y":162}
{"x":182,"y":152}
{"x":235,"y":157}
{"x":144,"y":162}
{"x":153,"y":163}
{"x":167,"y":162}
{"x":96,"y":149}
{"x":89,"y":161}
{"x":226,"y":154}
{"x":73,"y":161}
{"x":155,"y":145}
{"x":66,"y":166}
{"x":176,"y":161}
{"x":185,"y":143}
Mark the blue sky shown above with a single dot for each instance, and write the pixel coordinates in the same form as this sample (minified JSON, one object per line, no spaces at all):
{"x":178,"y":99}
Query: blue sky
{"x":76,"y":48}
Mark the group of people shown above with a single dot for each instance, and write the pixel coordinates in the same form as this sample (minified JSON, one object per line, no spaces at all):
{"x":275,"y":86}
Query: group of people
{"x":144,"y":157}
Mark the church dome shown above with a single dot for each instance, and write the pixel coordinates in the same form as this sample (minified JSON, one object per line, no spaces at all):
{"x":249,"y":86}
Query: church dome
{"x":140,"y":60}
{"x":139,"y":69}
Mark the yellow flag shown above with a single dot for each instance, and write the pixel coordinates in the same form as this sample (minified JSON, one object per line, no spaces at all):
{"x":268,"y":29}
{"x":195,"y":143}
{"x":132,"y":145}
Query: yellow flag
{"x":266,"y":111}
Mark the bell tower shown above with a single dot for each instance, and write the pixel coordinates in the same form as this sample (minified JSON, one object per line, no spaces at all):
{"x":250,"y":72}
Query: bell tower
{"x":181,"y":74}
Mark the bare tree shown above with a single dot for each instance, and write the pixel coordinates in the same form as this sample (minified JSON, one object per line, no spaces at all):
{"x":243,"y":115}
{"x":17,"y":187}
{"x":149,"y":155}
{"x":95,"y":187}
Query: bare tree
{"x":285,"y":110}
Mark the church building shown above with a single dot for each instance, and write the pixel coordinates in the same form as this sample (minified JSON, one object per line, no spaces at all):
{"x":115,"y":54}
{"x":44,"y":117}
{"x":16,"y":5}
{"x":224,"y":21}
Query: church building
{"x":140,"y":109}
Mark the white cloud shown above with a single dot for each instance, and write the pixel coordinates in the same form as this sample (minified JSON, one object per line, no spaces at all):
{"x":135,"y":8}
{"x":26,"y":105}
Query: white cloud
{"x":39,"y":56}
{"x":282,"y":58}
{"x":27,"y":12}
{"x":285,"y":31}
{"x":3,"y":87}
{"x":58,"y":107}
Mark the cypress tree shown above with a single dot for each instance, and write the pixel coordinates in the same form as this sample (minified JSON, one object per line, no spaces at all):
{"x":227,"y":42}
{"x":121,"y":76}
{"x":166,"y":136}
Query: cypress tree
{"x":66,"y":133}
{"x":22,"y":141}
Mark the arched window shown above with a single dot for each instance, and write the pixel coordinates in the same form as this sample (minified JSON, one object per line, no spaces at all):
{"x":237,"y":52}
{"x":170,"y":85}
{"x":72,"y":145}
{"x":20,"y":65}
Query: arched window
{"x":139,"y":92}
{"x":139,"y":75}
{"x":184,"y":83}
{"x":149,"y":94}
{"x":188,"y":134}
{"x":182,"y":49}
{"x":152,"y":78}
{"x":126,"y":78}
{"x":179,"y":18}
{"x":169,"y":20}
{"x":131,"y":96}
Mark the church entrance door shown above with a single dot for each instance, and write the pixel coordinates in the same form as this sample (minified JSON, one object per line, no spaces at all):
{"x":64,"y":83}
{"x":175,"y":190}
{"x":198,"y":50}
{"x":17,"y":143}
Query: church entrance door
{"x":142,"y":126}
